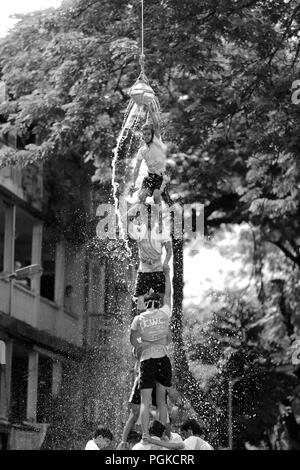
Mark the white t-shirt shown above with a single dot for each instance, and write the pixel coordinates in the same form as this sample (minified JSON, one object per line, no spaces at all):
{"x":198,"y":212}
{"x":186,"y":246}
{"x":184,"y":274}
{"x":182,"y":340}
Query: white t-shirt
{"x":91,"y":445}
{"x":141,"y":446}
{"x":154,"y":155}
{"x":196,"y":443}
{"x":150,"y":251}
{"x":153,"y":325}
{"x":175,"y":437}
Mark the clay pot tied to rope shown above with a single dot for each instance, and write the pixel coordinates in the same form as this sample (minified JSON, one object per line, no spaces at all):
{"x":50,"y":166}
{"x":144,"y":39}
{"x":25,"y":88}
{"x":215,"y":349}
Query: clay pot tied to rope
{"x":142,"y":93}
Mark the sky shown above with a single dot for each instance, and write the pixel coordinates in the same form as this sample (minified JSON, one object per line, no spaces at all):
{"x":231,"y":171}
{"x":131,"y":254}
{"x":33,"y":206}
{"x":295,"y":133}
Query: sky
{"x":10,"y":7}
{"x":207,"y":267}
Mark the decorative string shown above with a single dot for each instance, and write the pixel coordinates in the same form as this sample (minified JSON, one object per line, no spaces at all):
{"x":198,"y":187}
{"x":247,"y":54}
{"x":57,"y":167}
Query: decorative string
{"x":142,"y":56}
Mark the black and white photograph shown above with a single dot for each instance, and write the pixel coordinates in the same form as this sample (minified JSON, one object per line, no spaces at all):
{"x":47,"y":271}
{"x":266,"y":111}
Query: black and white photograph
{"x":150,"y":228}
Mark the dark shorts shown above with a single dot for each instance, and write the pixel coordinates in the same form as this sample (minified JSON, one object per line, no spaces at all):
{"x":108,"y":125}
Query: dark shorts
{"x":152,"y":182}
{"x":147,"y":281}
{"x":156,"y":370}
{"x":135,"y":396}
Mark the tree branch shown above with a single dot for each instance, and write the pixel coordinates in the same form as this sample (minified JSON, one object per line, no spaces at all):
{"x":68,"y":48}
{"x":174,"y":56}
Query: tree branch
{"x":295,"y":259}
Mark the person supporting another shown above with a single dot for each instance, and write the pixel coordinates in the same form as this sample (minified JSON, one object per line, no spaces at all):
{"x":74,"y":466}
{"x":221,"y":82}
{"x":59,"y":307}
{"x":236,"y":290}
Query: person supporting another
{"x":102,"y":440}
{"x":171,"y":436}
{"x":154,"y":153}
{"x":134,"y":407}
{"x":152,"y":268}
{"x":191,"y":429}
{"x":156,"y":431}
{"x":152,"y":325}
{"x":133,"y":439}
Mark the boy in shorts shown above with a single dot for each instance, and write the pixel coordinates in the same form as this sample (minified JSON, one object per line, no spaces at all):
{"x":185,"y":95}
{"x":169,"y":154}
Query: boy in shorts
{"x":154,"y":153}
{"x":152,"y":326}
{"x":152,"y":269}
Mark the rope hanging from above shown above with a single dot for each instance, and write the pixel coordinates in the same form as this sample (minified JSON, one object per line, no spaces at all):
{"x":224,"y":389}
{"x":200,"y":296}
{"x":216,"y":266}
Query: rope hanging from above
{"x":141,"y":92}
{"x":142,"y":56}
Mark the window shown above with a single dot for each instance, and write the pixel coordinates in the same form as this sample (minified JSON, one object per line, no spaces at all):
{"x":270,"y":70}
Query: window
{"x":19,"y":379}
{"x":48,"y":265}
{"x":2,"y":228}
{"x":23,"y":241}
{"x":71,"y":281}
{"x":44,"y":395}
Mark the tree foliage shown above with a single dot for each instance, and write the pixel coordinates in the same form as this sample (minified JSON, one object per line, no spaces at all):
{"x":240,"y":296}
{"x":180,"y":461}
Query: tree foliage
{"x":247,"y":338}
{"x":223,"y":72}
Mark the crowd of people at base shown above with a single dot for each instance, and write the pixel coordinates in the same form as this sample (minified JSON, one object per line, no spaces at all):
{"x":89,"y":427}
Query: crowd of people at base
{"x":160,"y":438}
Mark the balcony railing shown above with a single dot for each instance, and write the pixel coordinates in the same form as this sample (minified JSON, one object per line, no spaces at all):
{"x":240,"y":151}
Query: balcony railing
{"x":42,"y":314}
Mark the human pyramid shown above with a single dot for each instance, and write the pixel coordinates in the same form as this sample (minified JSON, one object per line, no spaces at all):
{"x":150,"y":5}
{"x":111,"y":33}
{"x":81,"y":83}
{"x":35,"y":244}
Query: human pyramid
{"x":150,"y":331}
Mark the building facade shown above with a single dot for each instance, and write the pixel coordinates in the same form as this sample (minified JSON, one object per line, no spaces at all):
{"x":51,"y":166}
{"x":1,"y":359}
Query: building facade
{"x":47,"y":322}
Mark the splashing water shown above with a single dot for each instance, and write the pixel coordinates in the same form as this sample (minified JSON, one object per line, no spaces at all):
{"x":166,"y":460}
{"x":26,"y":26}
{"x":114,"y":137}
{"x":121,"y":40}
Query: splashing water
{"x":132,"y":118}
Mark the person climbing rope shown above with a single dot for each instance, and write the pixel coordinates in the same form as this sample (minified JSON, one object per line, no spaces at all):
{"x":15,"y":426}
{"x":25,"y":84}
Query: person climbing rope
{"x":155,"y":366}
{"x":151,"y":243}
{"x":154,"y":153}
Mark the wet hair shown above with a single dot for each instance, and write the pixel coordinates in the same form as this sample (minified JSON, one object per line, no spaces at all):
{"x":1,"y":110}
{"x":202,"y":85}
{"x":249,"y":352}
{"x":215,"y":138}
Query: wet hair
{"x":152,"y":297}
{"x":134,"y":437}
{"x":194,"y":426}
{"x":103,"y":432}
{"x":150,"y":127}
{"x":156,"y":429}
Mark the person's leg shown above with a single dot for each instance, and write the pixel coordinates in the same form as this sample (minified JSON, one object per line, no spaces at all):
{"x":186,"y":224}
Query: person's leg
{"x":157,"y":196}
{"x":146,"y":394}
{"x":163,"y":381}
{"x":157,"y":282}
{"x":132,"y":419}
{"x":134,"y":412}
{"x":143,"y":194}
{"x":147,"y":382}
{"x":161,"y":403}
{"x":168,"y":429}
{"x":141,"y":288}
{"x":156,"y":189}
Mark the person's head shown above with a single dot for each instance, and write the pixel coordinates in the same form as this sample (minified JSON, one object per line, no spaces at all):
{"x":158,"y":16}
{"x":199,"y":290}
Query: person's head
{"x":152,"y":300}
{"x":191,"y":427}
{"x":134,"y":218}
{"x":138,"y":215}
{"x":103,"y":438}
{"x":148,"y":132}
{"x":157,"y":429}
{"x":133,"y":438}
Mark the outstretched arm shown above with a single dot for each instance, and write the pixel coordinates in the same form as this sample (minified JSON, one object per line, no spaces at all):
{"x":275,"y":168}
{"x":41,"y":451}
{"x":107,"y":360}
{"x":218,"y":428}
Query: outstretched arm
{"x":154,"y":120}
{"x":169,"y":336}
{"x":168,"y":248}
{"x":167,"y":297}
{"x":134,"y":338}
{"x":167,"y":444}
